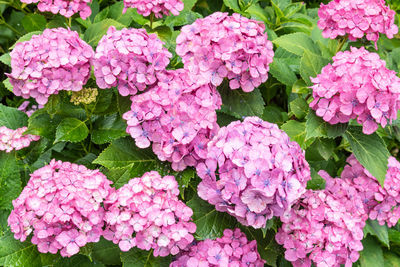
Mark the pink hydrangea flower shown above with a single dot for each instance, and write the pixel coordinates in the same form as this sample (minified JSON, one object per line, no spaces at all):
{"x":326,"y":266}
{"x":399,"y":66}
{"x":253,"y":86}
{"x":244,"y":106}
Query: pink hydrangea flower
{"x":129,"y":59}
{"x":157,"y":7}
{"x":357,"y":18}
{"x":146,"y":213}
{"x":50,"y":62}
{"x":382,"y":204}
{"x":62,"y":206}
{"x":25,"y":107}
{"x":221,"y":46}
{"x":231,"y":250}
{"x":260,"y":174}
{"x":14,"y":139}
{"x":177,"y":116}
{"x":357,"y":85}
{"x":325,"y":226}
{"x":66,"y":8}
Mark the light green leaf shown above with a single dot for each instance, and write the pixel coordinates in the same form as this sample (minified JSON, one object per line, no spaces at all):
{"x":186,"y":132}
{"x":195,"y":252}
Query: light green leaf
{"x":72,"y":130}
{"x":311,"y":65}
{"x":370,"y":150}
{"x":371,"y":255}
{"x":25,"y":37}
{"x":96,"y":31}
{"x":12,"y":118}
{"x":281,"y":71}
{"x":232,"y":4}
{"x":380,"y":231}
{"x":6,"y":59}
{"x":391,"y":259}
{"x":297,"y":132}
{"x":34,"y":22}
{"x":317,"y":127}
{"x":108,"y":128}
{"x":296,"y":43}
{"x":8,"y":85}
{"x":300,"y":87}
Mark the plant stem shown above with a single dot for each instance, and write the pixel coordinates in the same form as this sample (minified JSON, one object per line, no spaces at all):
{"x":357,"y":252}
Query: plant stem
{"x":151,"y":20}
{"x":341,"y":43}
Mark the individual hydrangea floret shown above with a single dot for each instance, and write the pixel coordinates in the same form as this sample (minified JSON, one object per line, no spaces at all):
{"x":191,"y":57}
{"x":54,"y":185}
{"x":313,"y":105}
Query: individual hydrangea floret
{"x":221,"y":46}
{"x":357,"y":85}
{"x":146,"y":213}
{"x":50,"y":62}
{"x":66,"y":8}
{"x":15,"y":139}
{"x":84,"y":96}
{"x":231,"y":250}
{"x":325,"y":227}
{"x":357,"y":18}
{"x":382,"y":204}
{"x":260,"y":174}
{"x":177,"y":116}
{"x":62,"y":207}
{"x":28,"y":108}
{"x":129,"y":59}
{"x":156,"y":7}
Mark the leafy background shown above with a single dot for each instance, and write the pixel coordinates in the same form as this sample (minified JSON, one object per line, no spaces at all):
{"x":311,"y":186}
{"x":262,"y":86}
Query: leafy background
{"x":94,"y":134}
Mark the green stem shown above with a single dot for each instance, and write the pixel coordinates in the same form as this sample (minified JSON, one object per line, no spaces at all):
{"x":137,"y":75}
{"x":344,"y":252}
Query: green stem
{"x":11,"y":28}
{"x":341,"y":43}
{"x":151,"y":20}
{"x":69,"y":22}
{"x":84,"y":148}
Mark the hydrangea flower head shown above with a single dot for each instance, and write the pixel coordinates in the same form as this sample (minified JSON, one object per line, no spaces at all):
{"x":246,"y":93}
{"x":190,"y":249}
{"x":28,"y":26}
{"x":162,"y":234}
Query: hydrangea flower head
{"x":62,"y":207}
{"x":382,"y":204}
{"x":232,"y":249}
{"x":146,"y":213}
{"x":177,"y":116}
{"x":222,"y":46}
{"x":260,"y":174}
{"x":157,"y":7}
{"x":66,"y":8}
{"x":50,"y":62}
{"x":129,"y":59}
{"x":357,"y":85}
{"x":325,"y":226}
{"x":14,"y":139}
{"x":357,"y":18}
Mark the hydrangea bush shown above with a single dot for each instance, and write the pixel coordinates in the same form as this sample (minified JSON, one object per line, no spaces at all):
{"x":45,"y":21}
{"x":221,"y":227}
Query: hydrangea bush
{"x":199,"y":133}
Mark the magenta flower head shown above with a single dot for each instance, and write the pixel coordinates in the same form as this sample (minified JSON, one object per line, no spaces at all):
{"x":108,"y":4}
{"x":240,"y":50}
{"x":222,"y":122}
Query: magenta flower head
{"x":157,"y":7}
{"x":62,"y":206}
{"x":260,"y":174}
{"x":50,"y":62}
{"x":220,"y":46}
{"x":14,"y":139}
{"x":66,"y":8}
{"x":382,"y":204}
{"x":357,"y":85}
{"x":178,"y":116}
{"x":357,"y":18}
{"x":324,"y":227}
{"x":129,"y":59}
{"x":146,"y":213}
{"x":231,"y":250}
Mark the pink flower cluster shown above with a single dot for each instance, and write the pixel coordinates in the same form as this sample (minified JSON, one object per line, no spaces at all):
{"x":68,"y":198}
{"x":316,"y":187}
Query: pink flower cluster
{"x":178,"y":116}
{"x":129,"y":59}
{"x":14,"y":139}
{"x":261,"y":172}
{"x":157,"y":7}
{"x":356,"y":18}
{"x":382,"y":204}
{"x":231,"y":250}
{"x":220,"y":46}
{"x":61,"y":206}
{"x":357,"y":85}
{"x":146,"y":213}
{"x":325,"y":226}
{"x":55,"y":60}
{"x":66,"y":8}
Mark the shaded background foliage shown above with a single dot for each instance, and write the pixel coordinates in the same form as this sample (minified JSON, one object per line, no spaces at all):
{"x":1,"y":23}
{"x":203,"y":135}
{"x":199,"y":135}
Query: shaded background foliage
{"x":94,"y":134}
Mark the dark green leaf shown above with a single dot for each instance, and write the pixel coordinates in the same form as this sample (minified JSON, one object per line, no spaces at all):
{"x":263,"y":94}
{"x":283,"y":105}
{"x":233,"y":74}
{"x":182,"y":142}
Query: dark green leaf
{"x":370,"y":150}
{"x":274,"y":115}
{"x":391,"y":259}
{"x":40,"y":123}
{"x":316,"y":182}
{"x":72,"y":130}
{"x":317,"y":127}
{"x":321,"y":149}
{"x":296,"y":43}
{"x":371,"y":255}
{"x":282,"y":72}
{"x":142,"y":258}
{"x":106,"y":252}
{"x":297,"y":132}
{"x":299,"y":107}
{"x":96,"y":31}
{"x":12,"y":118}
{"x":10,"y":180}
{"x":108,"y":128}
{"x":380,"y":231}
{"x":311,"y":65}
{"x":77,"y":261}
{"x":34,"y":22}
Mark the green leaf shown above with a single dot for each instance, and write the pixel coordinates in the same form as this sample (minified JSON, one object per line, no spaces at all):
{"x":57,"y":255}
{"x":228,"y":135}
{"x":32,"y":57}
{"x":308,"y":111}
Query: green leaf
{"x":371,"y":255}
{"x":241,"y":104}
{"x":233,"y":4}
{"x":316,"y":182}
{"x":10,"y":180}
{"x":370,"y":150}
{"x":25,"y":37}
{"x":391,"y":259}
{"x":96,"y":31}
{"x":297,"y":132}
{"x":72,"y":130}
{"x":210,"y":223}
{"x":6,"y":59}
{"x":311,"y":65}
{"x":34,"y":22}
{"x":77,"y":261}
{"x":296,"y":43}
{"x":8,"y":85}
{"x":258,"y":13}
{"x":281,"y":71}
{"x":12,"y":118}
{"x":317,"y":127}
{"x":108,"y":128}
{"x":40,"y":123}
{"x":394,"y":236}
{"x":300,"y":87}
{"x":321,"y":149}
{"x":274,"y":115}
{"x":380,"y":231}
{"x":106,"y":252}
{"x":299,"y":107}
{"x":142,"y":258}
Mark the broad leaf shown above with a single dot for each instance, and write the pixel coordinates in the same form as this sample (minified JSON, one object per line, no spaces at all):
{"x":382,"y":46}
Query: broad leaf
{"x":40,"y":123}
{"x":296,"y":43}
{"x":297,"y":132}
{"x":371,"y":255}
{"x":380,"y":231}
{"x":370,"y":150}
{"x":106,"y":252}
{"x":391,"y":259}
{"x":317,"y":127}
{"x":12,"y":118}
{"x":299,"y":107}
{"x":96,"y":31}
{"x":6,"y":59}
{"x":72,"y":130}
{"x":142,"y":258}
{"x":34,"y":22}
{"x":108,"y":128}
{"x":232,"y":4}
{"x":311,"y":65}
{"x":281,"y":71}
{"x":10,"y":180}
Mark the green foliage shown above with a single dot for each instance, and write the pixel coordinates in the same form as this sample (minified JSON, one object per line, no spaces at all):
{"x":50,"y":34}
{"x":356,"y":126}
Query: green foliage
{"x":72,"y":130}
{"x":12,"y":118}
